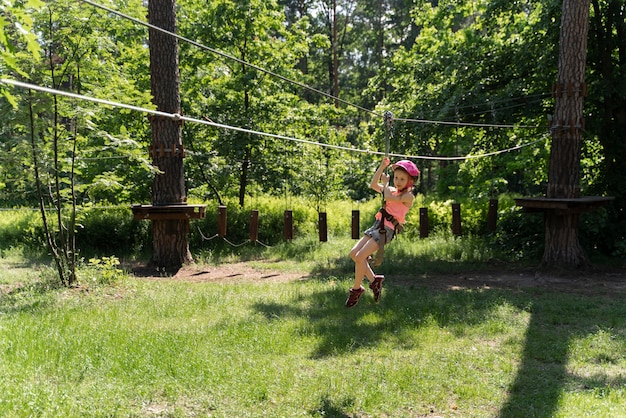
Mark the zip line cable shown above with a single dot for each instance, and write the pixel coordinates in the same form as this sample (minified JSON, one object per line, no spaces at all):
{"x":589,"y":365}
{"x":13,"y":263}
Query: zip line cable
{"x":299,"y":84}
{"x":466,"y":124}
{"x":177,"y":117}
{"x":225,"y":55}
{"x":485,"y":125}
{"x":535,"y":98}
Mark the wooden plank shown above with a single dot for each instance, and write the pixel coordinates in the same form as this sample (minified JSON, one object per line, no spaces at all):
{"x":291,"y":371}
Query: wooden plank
{"x":423,"y":222}
{"x":456,"y":219}
{"x":356,"y":224}
{"x":323,"y":227}
{"x":288,"y":225}
{"x":163,"y":212}
{"x":222,"y":212}
{"x":253,"y":231}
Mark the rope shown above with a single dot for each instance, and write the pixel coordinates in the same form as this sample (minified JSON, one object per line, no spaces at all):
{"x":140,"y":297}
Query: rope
{"x":225,"y":55}
{"x":235,"y":245}
{"x":388,"y":122}
{"x":297,"y":83}
{"x":466,"y":124}
{"x":205,"y":238}
{"x":177,"y":117}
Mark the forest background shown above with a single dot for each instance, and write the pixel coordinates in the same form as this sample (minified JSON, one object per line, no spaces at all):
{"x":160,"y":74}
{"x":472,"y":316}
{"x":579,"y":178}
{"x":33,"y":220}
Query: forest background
{"x":460,"y":77}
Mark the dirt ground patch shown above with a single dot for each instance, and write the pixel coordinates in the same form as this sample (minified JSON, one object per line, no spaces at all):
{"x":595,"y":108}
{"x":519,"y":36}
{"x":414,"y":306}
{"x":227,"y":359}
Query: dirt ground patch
{"x":594,"y":281}
{"x":223,"y":273}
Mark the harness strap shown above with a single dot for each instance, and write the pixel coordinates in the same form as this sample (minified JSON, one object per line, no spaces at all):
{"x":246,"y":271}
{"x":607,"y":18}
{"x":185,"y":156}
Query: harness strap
{"x":383,"y":234}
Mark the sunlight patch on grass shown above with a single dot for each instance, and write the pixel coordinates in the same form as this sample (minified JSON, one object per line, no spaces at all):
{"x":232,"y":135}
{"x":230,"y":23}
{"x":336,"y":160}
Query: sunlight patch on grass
{"x":167,"y":347}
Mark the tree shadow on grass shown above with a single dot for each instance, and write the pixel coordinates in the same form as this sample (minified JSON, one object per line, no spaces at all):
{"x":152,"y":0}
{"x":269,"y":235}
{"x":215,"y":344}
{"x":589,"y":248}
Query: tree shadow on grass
{"x":556,"y":319}
{"x":543,"y":375}
{"x":19,"y":298}
{"x":329,"y":409}
{"x":23,"y":291}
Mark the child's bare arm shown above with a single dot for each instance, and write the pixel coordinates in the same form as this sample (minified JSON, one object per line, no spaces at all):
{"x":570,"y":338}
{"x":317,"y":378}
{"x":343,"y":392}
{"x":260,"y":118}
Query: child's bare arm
{"x":379,"y":175}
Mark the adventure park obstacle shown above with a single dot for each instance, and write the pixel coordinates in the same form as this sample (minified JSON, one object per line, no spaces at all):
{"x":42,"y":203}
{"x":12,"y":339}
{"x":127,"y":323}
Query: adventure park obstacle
{"x":198,"y":211}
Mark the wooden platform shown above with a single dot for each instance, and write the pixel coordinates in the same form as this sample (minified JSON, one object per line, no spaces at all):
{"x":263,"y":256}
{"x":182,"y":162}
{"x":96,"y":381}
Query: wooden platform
{"x":562,"y":205}
{"x":162,"y":212}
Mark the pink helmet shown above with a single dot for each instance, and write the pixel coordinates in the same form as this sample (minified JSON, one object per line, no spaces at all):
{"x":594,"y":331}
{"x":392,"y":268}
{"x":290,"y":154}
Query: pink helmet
{"x":407,"y":166}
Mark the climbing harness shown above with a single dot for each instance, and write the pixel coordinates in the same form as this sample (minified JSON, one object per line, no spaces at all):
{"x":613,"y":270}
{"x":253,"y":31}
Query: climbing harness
{"x":382,"y":231}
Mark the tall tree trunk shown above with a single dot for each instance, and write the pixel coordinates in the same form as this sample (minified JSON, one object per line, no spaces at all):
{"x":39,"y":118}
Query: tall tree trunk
{"x":170,"y":241}
{"x":562,"y":247}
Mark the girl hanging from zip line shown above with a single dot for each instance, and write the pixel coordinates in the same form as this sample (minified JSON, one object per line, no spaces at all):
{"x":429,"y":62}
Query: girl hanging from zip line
{"x":398,"y":199}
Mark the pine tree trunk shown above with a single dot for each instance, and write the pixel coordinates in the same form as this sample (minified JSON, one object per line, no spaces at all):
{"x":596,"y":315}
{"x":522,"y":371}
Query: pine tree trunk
{"x":170,"y":241}
{"x":562,"y":247}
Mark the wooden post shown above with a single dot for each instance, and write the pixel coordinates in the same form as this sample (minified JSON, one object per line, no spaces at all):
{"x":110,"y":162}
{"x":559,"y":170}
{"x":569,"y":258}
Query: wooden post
{"x":323,"y":227}
{"x":492,"y":215}
{"x":254,"y":226}
{"x":221,"y":221}
{"x":423,"y":222}
{"x":288,"y":225}
{"x":356,"y":224}
{"x":456,"y":218}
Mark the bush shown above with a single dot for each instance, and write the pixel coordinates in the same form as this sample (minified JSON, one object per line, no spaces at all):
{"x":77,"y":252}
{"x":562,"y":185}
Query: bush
{"x":271,"y":220}
{"x":520,"y":235}
{"x":111,"y":230}
{"x":473,"y":216}
{"x":21,"y":228}
{"x":102,"y":271}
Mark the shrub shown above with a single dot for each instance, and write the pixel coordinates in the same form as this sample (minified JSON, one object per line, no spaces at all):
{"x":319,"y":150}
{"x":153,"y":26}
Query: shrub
{"x":271,"y":219}
{"x":103,"y":271}
{"x":520,"y":235}
{"x":110,"y":230}
{"x":21,"y":228}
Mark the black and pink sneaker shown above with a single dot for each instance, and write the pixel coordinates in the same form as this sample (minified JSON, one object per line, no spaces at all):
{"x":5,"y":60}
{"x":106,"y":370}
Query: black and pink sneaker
{"x":353,"y":297}
{"x":377,"y":286}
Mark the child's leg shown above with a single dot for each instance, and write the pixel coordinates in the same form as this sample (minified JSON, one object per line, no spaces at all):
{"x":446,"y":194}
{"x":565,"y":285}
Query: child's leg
{"x":363,"y":249}
{"x":358,"y":246}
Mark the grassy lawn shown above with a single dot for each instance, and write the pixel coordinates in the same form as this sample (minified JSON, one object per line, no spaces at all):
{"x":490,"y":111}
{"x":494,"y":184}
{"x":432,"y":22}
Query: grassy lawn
{"x":170,"y":348}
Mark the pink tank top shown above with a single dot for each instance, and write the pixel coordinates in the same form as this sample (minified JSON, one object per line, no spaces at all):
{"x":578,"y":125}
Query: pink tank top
{"x":396,"y":209}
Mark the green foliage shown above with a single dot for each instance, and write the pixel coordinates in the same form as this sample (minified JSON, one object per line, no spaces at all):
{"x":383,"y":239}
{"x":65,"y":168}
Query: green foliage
{"x":271,"y":210}
{"x":486,"y":62}
{"x":21,"y":228}
{"x":108,"y":142}
{"x":520,"y":235}
{"x":102,"y":271}
{"x":453,"y":72}
{"x":111,"y":230}
{"x":17,"y":40}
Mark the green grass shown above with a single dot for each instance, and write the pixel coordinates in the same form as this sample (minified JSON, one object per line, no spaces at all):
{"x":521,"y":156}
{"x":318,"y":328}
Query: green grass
{"x":177,"y":349}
